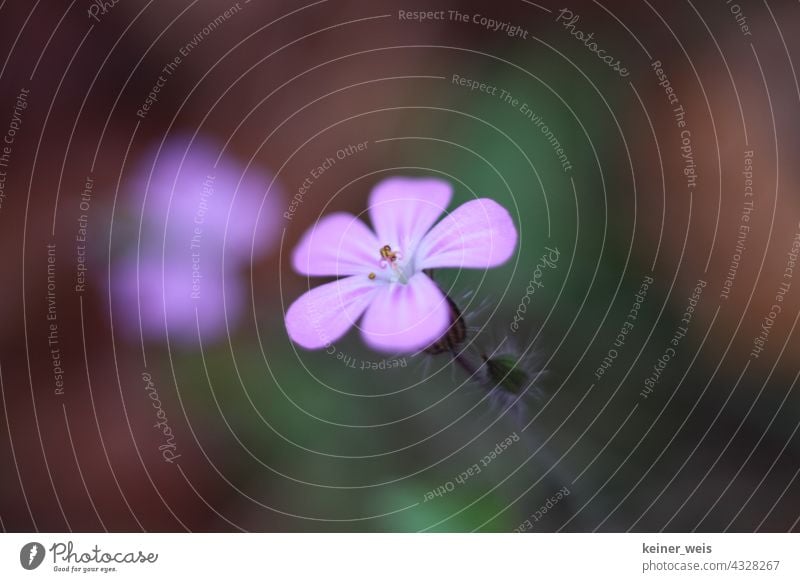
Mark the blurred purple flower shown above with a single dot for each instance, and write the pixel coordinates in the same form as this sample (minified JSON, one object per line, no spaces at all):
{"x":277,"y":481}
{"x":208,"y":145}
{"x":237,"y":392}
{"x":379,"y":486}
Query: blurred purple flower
{"x":169,"y":304}
{"x":383,"y":270}
{"x":190,"y":195}
{"x":195,"y":211}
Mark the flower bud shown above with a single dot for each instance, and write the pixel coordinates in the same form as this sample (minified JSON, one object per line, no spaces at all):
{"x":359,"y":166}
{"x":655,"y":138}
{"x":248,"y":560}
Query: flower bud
{"x":505,"y":372}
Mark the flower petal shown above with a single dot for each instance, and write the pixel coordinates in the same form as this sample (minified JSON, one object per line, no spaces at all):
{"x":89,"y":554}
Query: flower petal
{"x":402,"y":210}
{"x":172,"y":300}
{"x":325,"y":313}
{"x":476,"y":235}
{"x":339,"y":244}
{"x":406,"y":318}
{"x":191,"y":189}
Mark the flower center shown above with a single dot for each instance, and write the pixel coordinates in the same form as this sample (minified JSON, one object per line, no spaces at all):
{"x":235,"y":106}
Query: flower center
{"x":390,"y":259}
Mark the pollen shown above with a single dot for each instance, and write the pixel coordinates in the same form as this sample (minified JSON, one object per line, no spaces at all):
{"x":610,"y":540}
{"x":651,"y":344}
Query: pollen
{"x":388,"y":254}
{"x":392,"y":259}
{"x":371,"y":276}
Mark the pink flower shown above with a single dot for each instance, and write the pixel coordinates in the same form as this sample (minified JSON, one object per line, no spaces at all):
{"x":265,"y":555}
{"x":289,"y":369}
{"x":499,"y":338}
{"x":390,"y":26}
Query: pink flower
{"x":201,"y":207}
{"x":382,"y":270}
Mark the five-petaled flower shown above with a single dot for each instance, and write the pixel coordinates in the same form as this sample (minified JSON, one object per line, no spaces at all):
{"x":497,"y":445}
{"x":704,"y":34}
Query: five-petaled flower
{"x":382,"y":271}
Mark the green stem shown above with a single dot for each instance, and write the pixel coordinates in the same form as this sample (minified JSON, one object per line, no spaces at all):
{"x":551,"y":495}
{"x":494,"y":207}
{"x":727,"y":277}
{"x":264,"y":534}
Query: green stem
{"x":465,"y":364}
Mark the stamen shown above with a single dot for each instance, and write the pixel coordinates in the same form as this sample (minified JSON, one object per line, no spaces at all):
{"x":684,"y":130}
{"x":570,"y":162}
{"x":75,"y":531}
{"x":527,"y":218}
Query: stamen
{"x":390,"y":257}
{"x":388,"y":254}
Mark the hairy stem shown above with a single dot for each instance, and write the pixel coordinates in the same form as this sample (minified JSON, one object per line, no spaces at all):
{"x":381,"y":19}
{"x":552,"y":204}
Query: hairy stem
{"x":466,"y":365}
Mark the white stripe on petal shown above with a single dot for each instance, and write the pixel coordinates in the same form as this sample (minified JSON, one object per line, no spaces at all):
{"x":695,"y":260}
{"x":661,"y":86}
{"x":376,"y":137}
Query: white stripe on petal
{"x":477,"y":235}
{"x":402,"y":210}
{"x":339,"y":244}
{"x":406,"y":318}
{"x":325,"y":313}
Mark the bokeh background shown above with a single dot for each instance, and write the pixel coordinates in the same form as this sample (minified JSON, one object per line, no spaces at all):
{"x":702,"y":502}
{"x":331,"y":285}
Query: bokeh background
{"x":265,"y":436}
